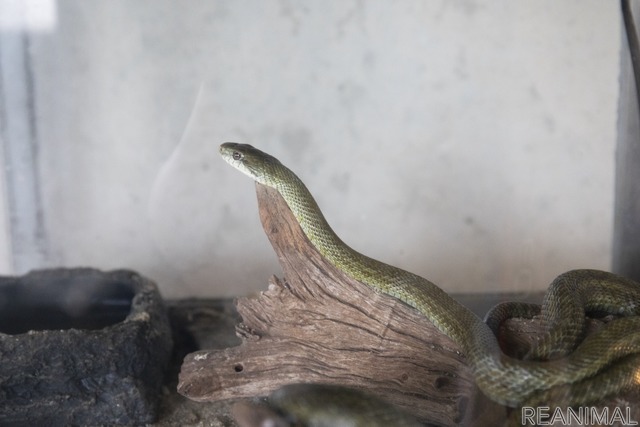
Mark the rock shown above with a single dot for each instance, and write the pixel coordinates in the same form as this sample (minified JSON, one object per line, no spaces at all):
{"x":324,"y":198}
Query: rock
{"x":81,"y":346}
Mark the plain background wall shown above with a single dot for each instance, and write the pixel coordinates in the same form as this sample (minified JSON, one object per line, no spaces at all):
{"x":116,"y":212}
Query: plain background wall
{"x":471,"y":142}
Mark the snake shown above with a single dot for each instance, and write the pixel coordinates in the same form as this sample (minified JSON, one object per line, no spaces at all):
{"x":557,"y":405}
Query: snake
{"x":321,"y":405}
{"x":564,"y":359}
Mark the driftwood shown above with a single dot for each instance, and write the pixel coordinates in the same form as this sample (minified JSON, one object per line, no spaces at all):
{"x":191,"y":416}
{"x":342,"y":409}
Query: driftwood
{"x":318,"y":325}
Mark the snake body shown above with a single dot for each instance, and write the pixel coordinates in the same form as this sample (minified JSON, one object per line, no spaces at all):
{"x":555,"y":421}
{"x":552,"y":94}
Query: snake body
{"x":321,"y":405}
{"x":506,"y":380}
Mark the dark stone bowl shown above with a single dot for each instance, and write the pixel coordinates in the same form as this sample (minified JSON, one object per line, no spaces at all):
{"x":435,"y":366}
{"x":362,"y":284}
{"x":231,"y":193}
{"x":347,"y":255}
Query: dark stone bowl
{"x":81,"y":347}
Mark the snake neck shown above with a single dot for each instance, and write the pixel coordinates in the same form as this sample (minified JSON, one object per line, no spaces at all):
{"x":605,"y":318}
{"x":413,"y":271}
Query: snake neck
{"x":403,"y":285}
{"x":309,"y":216}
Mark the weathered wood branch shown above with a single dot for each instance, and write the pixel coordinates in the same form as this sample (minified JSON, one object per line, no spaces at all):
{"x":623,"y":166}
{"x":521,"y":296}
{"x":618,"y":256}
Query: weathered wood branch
{"x":318,"y":325}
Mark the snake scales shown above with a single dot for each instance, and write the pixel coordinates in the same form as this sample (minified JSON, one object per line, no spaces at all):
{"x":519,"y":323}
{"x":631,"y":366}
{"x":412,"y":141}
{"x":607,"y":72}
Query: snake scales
{"x":587,"y":367}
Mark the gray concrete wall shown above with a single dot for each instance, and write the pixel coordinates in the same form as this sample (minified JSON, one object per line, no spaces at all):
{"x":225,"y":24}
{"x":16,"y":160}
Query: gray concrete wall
{"x":471,"y":142}
{"x":626,"y":230}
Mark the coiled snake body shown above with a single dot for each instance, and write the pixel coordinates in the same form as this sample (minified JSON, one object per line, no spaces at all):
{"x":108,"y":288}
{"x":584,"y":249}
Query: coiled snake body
{"x":589,"y":371}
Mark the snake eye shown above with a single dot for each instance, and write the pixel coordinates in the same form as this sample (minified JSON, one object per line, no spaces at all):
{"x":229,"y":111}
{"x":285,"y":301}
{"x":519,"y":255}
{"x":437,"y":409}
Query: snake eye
{"x":237,"y":155}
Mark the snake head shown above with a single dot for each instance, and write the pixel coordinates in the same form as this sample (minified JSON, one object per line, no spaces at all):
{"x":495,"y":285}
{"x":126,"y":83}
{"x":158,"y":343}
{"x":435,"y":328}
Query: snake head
{"x":251,"y":161}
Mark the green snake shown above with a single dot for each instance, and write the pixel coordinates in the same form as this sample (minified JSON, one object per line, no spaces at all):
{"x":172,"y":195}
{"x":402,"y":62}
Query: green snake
{"x":602,"y":363}
{"x":321,"y":405}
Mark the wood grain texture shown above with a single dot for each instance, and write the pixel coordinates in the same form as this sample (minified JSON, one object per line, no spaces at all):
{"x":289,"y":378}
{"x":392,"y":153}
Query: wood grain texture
{"x":318,"y":325}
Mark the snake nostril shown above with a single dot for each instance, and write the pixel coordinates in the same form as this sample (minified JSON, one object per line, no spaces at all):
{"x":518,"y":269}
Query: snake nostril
{"x":238,"y":367}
